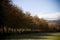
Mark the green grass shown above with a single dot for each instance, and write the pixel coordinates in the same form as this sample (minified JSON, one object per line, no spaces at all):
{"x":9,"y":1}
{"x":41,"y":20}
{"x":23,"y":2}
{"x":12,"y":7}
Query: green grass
{"x":35,"y":36}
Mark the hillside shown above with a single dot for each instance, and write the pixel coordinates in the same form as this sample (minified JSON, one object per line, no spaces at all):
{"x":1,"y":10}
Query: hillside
{"x":56,"y":22}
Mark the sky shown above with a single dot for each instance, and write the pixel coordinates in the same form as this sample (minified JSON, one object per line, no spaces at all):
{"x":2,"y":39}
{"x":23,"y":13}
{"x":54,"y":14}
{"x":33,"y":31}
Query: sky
{"x":47,"y":9}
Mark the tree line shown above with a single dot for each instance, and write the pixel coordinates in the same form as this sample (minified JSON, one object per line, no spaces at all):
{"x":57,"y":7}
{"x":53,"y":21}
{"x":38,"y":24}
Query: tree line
{"x":13,"y":17}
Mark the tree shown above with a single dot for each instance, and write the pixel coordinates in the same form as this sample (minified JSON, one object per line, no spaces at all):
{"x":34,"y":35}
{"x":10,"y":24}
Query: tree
{"x":43,"y":24}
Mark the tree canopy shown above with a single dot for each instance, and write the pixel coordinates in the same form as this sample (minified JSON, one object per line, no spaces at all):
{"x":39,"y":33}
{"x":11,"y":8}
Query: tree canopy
{"x":12,"y":16}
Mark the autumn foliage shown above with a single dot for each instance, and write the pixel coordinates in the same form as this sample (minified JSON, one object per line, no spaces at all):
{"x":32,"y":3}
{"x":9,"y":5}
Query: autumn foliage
{"x":14,"y":18}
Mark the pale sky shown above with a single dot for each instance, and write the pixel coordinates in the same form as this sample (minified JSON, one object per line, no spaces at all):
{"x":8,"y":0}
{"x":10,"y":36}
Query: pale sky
{"x":47,"y":9}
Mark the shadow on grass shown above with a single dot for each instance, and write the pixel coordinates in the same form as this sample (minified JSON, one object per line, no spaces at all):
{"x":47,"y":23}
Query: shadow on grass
{"x":29,"y":35}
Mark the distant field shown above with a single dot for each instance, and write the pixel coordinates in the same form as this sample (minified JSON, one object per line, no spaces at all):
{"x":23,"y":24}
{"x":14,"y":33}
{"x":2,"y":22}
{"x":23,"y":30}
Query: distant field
{"x":34,"y":36}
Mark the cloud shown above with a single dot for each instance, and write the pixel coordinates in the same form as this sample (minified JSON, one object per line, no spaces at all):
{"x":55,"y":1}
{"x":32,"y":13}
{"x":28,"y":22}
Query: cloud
{"x":49,"y":16}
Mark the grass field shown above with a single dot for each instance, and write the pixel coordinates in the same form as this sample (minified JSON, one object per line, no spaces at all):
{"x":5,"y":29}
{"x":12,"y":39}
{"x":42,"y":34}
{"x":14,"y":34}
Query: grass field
{"x":34,"y":36}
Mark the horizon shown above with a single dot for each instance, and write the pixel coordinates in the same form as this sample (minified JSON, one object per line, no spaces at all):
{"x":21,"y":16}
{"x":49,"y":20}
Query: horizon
{"x":47,"y":9}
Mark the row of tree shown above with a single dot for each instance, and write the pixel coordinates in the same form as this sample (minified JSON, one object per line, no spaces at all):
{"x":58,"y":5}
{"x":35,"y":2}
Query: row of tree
{"x":14,"y":17}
